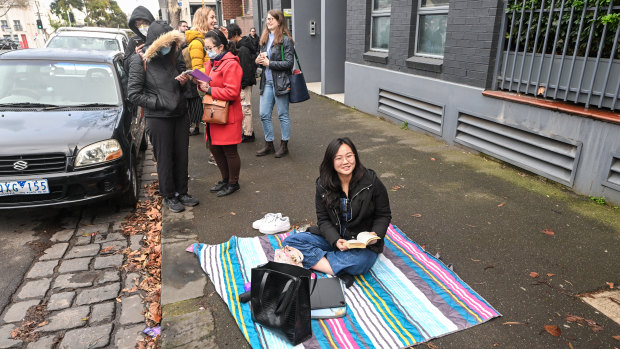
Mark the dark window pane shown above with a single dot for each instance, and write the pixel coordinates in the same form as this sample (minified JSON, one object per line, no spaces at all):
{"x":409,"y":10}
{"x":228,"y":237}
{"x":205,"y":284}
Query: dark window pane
{"x":433,"y":3}
{"x":381,"y":5}
{"x":432,"y":34}
{"x":380,"y":32}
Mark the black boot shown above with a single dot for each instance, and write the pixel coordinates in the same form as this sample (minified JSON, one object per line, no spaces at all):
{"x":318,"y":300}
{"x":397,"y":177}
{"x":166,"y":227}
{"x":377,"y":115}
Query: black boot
{"x":283,"y":149}
{"x":346,"y":278}
{"x":268,"y":149}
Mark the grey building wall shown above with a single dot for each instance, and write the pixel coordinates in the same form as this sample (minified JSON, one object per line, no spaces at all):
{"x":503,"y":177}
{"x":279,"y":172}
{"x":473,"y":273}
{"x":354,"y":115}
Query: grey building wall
{"x":593,"y":144}
{"x":308,"y":46}
{"x":333,"y":53}
{"x":471,"y":40}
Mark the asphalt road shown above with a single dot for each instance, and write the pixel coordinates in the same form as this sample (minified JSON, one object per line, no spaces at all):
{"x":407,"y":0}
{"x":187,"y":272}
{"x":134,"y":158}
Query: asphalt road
{"x":483,"y":217}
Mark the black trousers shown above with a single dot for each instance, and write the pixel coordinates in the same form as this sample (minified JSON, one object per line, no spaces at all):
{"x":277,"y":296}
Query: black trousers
{"x":170,"y":139}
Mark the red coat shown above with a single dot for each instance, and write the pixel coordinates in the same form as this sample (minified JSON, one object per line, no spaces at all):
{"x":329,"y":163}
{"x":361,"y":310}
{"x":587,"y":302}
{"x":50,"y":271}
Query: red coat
{"x":226,"y":85}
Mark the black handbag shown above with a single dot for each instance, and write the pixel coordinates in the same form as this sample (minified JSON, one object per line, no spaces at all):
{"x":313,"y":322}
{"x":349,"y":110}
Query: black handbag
{"x":280,"y":297}
{"x":299,"y":89}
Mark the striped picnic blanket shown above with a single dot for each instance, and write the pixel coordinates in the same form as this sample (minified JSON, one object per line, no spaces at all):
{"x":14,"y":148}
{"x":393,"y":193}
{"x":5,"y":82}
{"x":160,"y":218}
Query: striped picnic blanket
{"x":408,"y":296}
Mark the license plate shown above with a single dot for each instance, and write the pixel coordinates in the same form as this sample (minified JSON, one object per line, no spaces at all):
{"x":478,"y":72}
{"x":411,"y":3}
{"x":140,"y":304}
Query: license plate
{"x":36,"y":186}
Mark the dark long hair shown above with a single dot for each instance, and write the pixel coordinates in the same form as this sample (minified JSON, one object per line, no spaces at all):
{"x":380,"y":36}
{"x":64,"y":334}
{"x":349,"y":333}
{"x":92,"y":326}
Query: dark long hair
{"x":328,"y":177}
{"x":220,"y":39}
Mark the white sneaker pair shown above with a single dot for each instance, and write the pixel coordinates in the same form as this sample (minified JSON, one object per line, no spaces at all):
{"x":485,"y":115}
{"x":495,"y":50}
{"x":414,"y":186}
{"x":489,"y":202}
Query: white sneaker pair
{"x":272,"y":223}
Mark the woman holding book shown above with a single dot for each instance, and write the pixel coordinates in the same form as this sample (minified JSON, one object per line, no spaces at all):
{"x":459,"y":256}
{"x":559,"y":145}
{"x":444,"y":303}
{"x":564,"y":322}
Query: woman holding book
{"x":350,"y":199}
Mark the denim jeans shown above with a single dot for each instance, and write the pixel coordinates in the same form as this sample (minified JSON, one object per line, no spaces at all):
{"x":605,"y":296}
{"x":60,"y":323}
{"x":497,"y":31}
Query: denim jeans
{"x":267,"y":100}
{"x":354,"y":261}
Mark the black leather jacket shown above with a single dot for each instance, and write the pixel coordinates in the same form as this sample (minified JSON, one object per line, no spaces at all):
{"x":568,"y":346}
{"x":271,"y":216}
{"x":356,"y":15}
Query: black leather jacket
{"x":280,"y":69}
{"x":370,"y":211}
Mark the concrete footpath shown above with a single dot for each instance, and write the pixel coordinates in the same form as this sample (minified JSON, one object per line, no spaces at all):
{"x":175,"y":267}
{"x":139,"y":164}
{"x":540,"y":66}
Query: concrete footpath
{"x":484,"y":217}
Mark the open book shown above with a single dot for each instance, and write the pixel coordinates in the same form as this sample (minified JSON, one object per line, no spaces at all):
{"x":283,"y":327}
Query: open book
{"x":362,"y":240}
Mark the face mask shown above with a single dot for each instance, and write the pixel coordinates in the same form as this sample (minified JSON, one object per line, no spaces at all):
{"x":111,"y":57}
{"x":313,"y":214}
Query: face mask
{"x":212,"y":54}
{"x":144,"y":29}
{"x":164,"y":51}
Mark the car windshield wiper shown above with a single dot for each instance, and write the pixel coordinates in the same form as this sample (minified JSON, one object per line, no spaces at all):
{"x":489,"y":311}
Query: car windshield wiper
{"x":91,"y":105}
{"x":28,"y":105}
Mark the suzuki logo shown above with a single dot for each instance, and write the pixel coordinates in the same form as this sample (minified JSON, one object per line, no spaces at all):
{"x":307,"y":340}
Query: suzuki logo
{"x":20,"y":165}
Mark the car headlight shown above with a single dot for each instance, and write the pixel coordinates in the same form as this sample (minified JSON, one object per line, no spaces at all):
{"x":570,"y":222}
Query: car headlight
{"x":98,"y":153}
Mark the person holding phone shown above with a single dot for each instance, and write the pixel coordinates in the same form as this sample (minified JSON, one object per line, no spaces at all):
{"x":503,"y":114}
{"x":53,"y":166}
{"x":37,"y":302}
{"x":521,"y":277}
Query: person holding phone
{"x":277,"y":60}
{"x":225,"y":73}
{"x":139,"y":22}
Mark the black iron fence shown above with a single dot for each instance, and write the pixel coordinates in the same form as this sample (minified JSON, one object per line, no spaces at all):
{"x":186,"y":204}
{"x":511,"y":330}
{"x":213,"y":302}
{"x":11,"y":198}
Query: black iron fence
{"x":563,"y":50}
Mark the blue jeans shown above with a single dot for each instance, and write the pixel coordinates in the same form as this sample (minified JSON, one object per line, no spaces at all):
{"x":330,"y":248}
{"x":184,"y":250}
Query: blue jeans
{"x":354,"y":261}
{"x":267,"y":100}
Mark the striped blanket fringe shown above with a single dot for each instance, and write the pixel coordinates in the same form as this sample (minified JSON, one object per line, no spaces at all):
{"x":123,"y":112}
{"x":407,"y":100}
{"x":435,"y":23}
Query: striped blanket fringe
{"x":408,"y":297}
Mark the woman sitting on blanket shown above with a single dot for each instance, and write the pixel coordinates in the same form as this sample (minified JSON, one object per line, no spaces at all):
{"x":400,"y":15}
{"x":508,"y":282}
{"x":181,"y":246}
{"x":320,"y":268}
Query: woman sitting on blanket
{"x":349,"y":199}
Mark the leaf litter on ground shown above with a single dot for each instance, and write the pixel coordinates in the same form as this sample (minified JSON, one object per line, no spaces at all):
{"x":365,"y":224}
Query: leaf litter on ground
{"x":146,"y":220}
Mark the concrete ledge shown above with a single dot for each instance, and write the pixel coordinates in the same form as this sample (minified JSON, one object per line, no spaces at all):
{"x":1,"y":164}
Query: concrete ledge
{"x":186,"y":325}
{"x":377,"y":57}
{"x":560,"y":106}
{"x":424,"y":63}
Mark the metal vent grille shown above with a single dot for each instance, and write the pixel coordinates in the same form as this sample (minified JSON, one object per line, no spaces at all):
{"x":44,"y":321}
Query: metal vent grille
{"x":35,"y":164}
{"x":548,"y":157}
{"x":413,"y":111}
{"x":613,"y":180}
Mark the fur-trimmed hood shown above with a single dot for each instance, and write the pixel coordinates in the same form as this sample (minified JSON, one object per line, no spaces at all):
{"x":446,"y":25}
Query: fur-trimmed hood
{"x":159,"y":37}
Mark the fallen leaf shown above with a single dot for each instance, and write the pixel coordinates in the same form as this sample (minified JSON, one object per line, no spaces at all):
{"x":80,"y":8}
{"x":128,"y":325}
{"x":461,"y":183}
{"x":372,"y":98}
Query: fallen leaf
{"x":610,"y":284}
{"x":424,"y":247}
{"x":43,"y":323}
{"x":534,"y":275}
{"x":495,"y":344}
{"x":616,"y":338}
{"x":432,"y":159}
{"x":548,"y":232}
{"x":512,"y":323}
{"x":233,"y":214}
{"x":85,"y":318}
{"x":106,"y":250}
{"x":475,"y":260}
{"x":541,"y":90}
{"x":502,"y":204}
{"x":553,"y":330}
{"x":570,"y":345}
{"x":431,"y":345}
{"x":417,"y":215}
{"x":550,"y":274}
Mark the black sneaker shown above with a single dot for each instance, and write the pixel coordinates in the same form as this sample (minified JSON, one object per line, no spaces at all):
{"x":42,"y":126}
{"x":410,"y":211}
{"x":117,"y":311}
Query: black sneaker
{"x":248,"y":139}
{"x":219,"y":186}
{"x":188,"y":200}
{"x":229,"y":189}
{"x":174,"y":204}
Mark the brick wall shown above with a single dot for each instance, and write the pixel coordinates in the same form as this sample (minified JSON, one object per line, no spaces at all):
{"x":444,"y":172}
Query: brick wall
{"x":231,"y":9}
{"x":471,"y":39}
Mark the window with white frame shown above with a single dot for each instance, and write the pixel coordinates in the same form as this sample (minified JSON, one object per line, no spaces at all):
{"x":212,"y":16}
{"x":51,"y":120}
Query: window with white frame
{"x":4,"y":24}
{"x":17,"y":24}
{"x":380,"y":25}
{"x":431,"y":28}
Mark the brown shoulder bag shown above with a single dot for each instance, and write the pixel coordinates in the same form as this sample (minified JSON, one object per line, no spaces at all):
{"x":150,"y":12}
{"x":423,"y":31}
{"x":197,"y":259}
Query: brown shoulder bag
{"x":215,"y":111}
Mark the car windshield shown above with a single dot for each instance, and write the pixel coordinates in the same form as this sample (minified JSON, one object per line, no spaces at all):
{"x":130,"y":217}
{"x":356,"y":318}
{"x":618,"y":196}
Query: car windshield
{"x":57,"y":83}
{"x":84,"y":43}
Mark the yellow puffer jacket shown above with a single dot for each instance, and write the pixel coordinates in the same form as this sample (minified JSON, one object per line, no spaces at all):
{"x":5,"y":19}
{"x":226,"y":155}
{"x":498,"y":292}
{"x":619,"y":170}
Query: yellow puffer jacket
{"x":196,"y":50}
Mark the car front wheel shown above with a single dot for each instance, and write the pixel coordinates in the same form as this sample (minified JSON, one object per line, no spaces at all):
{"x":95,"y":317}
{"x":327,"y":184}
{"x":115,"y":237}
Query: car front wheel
{"x":130,"y":198}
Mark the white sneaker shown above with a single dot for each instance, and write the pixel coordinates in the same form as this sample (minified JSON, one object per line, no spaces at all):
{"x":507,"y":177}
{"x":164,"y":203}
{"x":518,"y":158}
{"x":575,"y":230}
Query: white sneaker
{"x":258,"y":223}
{"x":275,"y":225}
